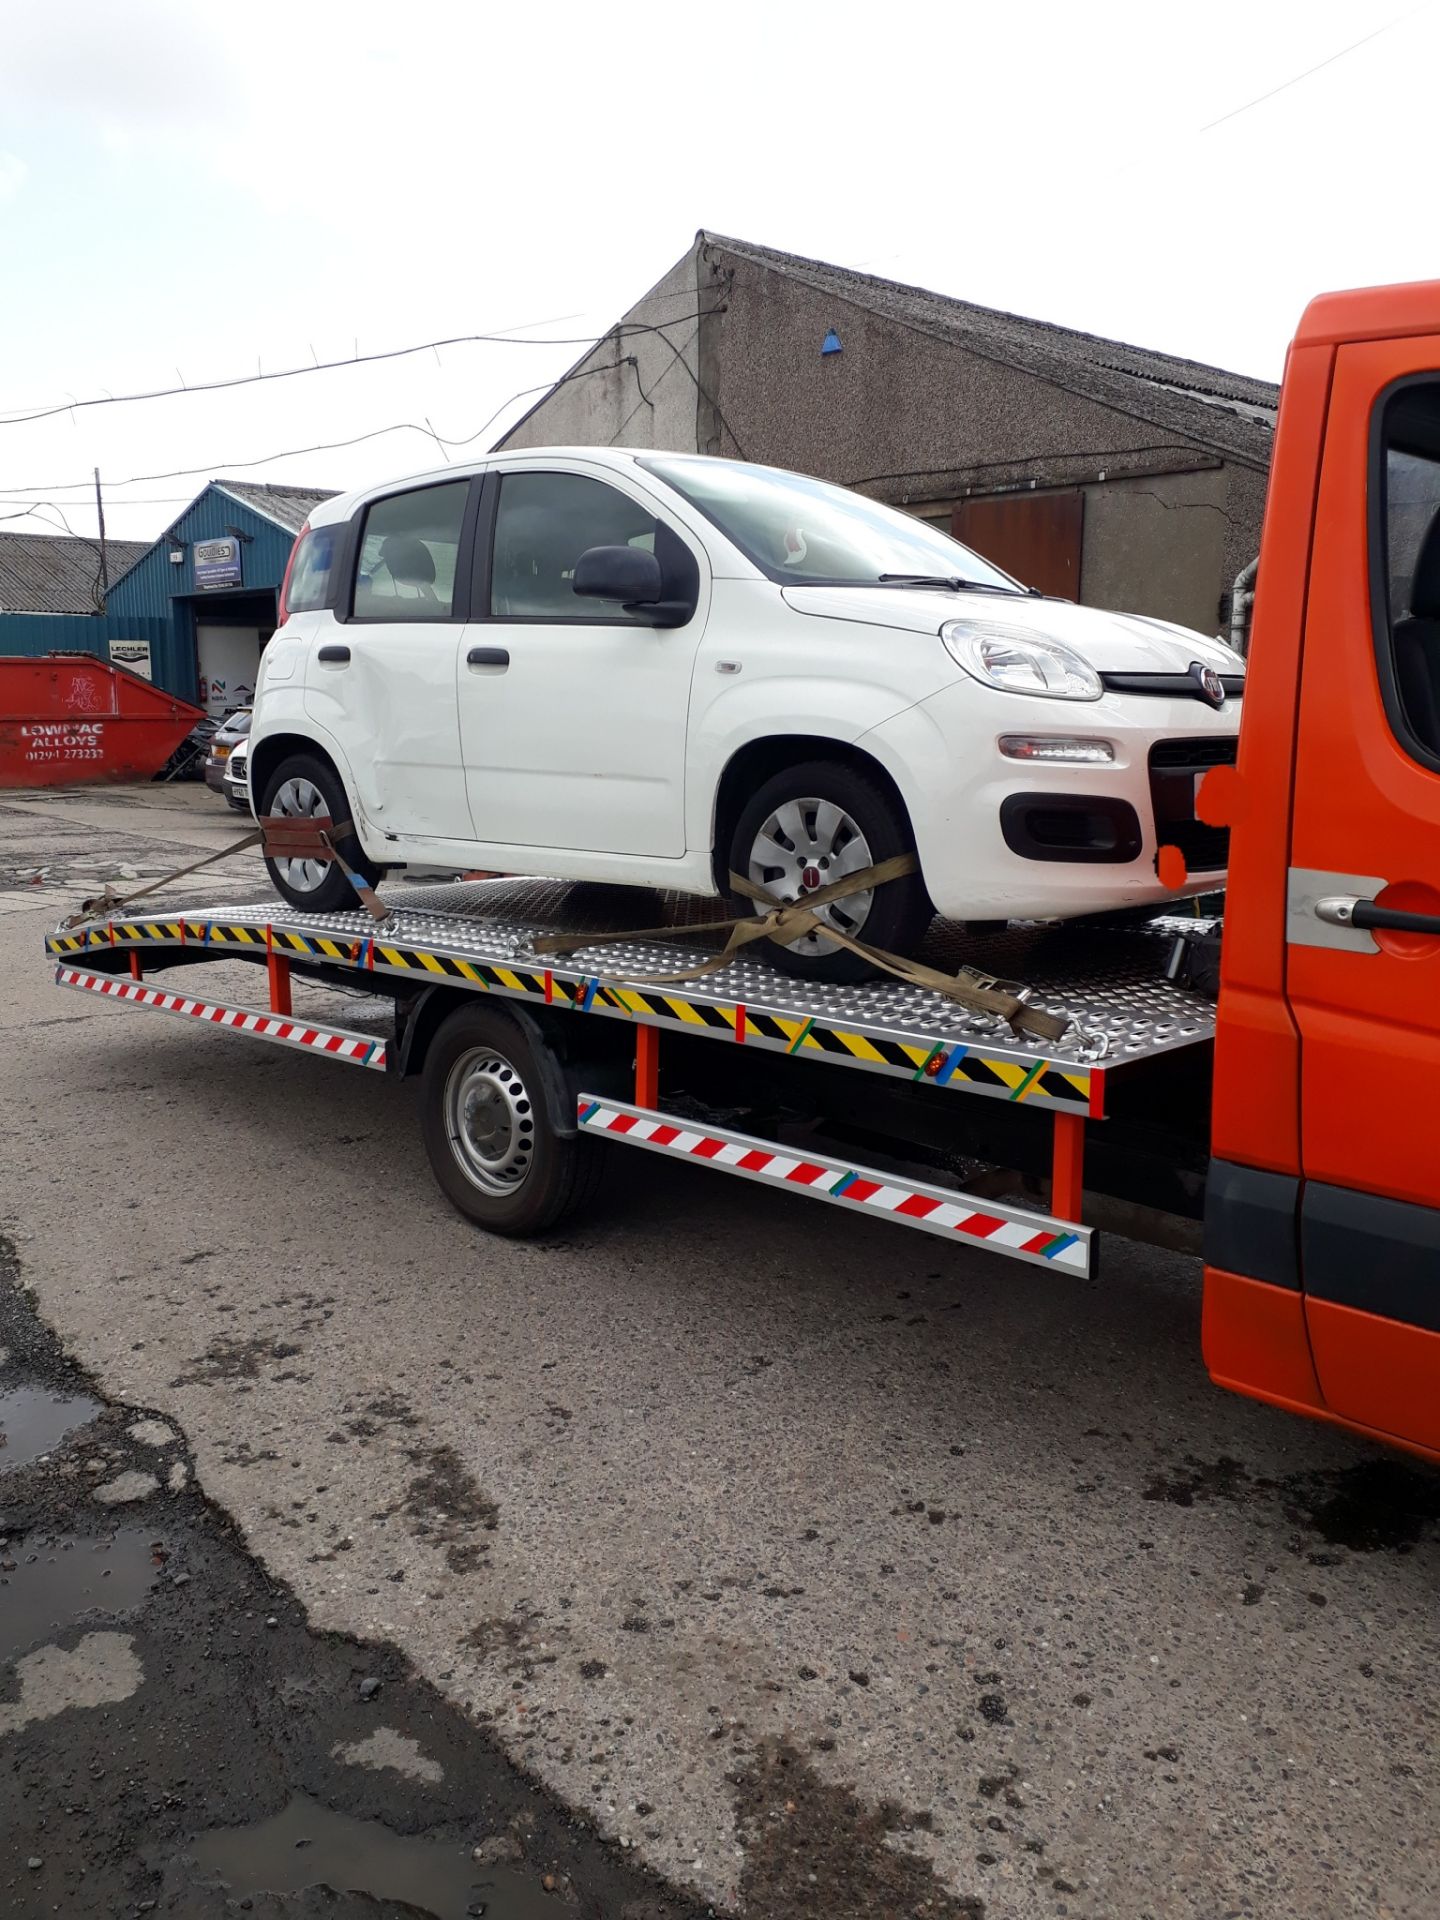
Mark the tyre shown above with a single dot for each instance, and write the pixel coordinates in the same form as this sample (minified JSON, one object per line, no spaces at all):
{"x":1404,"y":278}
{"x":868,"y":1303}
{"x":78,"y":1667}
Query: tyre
{"x":811,"y":825}
{"x":488,"y":1131}
{"x":302,"y":786}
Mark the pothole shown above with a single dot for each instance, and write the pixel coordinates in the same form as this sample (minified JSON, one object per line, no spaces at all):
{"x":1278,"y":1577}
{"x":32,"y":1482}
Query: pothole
{"x":33,"y":1420}
{"x":307,"y":1845}
{"x":46,"y":1588}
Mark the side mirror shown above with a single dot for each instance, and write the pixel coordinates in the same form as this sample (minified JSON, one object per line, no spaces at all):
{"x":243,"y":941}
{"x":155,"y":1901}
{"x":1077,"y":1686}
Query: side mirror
{"x":628,"y":574}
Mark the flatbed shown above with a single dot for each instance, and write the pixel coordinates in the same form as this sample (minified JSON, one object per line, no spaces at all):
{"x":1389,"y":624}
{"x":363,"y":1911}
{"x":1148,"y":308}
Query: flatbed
{"x":786,"y":1055}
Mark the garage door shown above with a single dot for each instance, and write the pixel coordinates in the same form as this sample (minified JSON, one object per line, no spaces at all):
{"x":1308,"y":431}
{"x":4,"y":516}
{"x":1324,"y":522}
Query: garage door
{"x":1035,"y":536}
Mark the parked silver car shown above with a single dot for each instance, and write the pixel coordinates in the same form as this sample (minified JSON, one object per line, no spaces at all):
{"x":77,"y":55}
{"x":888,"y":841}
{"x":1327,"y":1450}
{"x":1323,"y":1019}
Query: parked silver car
{"x":223,"y":742}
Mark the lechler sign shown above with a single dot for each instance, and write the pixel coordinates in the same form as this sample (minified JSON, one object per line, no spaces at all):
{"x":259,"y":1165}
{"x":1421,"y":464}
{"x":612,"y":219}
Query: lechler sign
{"x":217,"y":562}
{"x":134,"y":654}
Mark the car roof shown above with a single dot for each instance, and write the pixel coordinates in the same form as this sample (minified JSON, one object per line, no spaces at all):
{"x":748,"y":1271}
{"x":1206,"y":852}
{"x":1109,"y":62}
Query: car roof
{"x":342,"y":505}
{"x":617,"y":458}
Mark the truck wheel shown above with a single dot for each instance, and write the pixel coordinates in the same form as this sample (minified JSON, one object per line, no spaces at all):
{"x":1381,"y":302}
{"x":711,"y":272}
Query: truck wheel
{"x":488,"y":1132}
{"x":811,"y":825}
{"x":305,"y":786}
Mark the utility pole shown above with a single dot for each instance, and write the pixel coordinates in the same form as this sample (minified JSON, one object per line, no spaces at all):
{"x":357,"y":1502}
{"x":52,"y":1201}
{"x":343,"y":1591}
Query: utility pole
{"x":104,"y":562}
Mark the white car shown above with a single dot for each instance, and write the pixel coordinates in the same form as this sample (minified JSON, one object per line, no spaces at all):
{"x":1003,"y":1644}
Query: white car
{"x":235,"y":780}
{"x":654,"y":669}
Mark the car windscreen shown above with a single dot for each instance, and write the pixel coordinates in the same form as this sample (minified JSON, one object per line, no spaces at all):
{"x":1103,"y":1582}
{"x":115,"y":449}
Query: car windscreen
{"x":805,"y":531}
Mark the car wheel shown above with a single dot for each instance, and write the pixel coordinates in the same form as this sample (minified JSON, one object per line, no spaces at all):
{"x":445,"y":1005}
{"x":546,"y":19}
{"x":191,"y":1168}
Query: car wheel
{"x":814,"y":824}
{"x":488,"y":1132}
{"x":304,"y":786}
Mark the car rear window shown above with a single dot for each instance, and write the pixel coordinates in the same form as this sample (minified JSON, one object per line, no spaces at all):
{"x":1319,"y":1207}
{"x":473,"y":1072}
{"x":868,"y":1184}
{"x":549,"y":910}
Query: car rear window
{"x":409,"y":552}
{"x":312,"y":570}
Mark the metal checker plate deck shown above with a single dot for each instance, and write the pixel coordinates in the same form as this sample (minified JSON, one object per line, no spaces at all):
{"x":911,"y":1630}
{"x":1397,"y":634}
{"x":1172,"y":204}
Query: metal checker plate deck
{"x":1109,"y":982}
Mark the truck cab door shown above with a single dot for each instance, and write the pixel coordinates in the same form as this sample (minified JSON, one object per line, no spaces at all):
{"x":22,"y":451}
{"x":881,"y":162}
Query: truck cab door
{"x":1363,"y":912}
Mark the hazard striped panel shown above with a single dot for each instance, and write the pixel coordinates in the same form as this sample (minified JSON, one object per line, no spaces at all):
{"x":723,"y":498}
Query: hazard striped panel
{"x":355,"y":1049}
{"x":958,"y":1217}
{"x":971,"y":1067}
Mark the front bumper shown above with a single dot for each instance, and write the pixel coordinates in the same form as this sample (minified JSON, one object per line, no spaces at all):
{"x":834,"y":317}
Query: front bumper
{"x":1005,"y":839}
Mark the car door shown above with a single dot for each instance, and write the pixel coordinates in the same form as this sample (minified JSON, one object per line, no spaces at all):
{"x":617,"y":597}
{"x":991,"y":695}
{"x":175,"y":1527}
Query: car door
{"x":1363,"y":952}
{"x":380,"y":676}
{"x":573,"y":711}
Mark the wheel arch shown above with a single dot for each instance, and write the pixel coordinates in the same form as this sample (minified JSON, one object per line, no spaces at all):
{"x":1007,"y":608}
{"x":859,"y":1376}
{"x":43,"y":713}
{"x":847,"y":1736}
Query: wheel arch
{"x":266,"y":754}
{"x":602,"y":1060}
{"x":758,"y":760}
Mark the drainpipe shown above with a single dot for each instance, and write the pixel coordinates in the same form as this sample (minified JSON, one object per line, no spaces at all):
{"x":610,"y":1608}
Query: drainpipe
{"x":1242,"y":600}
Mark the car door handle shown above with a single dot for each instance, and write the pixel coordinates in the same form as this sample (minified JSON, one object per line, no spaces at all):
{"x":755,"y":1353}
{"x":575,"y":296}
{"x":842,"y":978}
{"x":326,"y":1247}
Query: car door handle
{"x":1345,"y":910}
{"x":334,"y":656}
{"x":488,"y":657}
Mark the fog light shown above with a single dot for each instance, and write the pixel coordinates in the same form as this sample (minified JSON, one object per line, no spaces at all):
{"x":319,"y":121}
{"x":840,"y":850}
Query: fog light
{"x":1074,"y":749}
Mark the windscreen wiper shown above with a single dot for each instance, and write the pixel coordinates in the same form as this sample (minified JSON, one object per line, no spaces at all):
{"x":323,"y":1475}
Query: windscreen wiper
{"x":950,"y":581}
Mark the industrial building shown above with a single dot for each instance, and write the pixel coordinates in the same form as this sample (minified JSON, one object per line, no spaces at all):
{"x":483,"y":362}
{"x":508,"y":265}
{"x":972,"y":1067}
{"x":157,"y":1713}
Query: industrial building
{"x":1106,"y":473}
{"x":190,"y":611}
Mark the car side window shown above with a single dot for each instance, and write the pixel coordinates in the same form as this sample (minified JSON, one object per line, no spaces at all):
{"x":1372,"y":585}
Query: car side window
{"x":409,"y":546}
{"x":543,"y":523}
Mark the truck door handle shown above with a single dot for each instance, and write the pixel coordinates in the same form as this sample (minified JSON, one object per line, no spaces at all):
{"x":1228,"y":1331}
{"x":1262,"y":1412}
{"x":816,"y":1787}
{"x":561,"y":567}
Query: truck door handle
{"x":334,"y":656}
{"x":1344,"y":910}
{"x":488,"y":657}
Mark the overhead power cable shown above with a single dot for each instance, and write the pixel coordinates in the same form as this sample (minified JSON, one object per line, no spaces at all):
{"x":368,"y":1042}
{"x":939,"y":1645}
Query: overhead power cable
{"x":214,"y":468}
{"x":219,"y":467}
{"x":1319,"y":66}
{"x":353,"y":360}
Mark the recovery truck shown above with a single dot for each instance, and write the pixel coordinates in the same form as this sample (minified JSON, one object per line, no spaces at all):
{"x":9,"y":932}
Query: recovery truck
{"x":1295,"y":1118}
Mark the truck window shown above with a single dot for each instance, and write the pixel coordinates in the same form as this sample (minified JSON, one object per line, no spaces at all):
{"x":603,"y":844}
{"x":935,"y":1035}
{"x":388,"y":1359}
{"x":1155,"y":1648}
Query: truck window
{"x":1406,"y":562}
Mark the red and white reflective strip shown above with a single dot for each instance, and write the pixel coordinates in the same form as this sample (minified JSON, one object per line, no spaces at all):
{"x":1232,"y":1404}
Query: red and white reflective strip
{"x":356,"y":1049}
{"x":1019,"y":1234}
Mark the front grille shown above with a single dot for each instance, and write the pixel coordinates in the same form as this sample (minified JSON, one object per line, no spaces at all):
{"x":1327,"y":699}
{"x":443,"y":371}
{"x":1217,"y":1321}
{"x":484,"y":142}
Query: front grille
{"x":1170,"y":686}
{"x":1204,"y":849}
{"x":1194,"y":756}
{"x":1174,"y":768}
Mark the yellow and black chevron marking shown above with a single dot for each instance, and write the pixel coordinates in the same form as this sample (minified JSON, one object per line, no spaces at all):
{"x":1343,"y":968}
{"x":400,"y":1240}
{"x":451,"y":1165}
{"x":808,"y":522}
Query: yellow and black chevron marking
{"x":943,"y":1063}
{"x":122,"y":932}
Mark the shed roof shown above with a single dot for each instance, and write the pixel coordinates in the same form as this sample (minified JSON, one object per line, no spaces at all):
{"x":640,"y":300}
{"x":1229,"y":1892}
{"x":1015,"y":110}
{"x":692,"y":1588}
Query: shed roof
{"x":1230,"y":413}
{"x":288,"y":507}
{"x":56,"y":573}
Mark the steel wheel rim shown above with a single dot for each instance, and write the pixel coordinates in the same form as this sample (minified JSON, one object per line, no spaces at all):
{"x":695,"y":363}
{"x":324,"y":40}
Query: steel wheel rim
{"x":489,"y":1121}
{"x":300,"y":799}
{"x":804,"y":845}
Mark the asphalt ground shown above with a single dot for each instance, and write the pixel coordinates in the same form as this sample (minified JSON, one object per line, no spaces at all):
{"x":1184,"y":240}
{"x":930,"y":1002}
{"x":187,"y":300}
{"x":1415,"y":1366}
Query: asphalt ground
{"x":829,"y":1571}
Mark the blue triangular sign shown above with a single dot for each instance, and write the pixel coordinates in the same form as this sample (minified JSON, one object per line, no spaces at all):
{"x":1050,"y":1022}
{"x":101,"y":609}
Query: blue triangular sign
{"x":832,"y":342}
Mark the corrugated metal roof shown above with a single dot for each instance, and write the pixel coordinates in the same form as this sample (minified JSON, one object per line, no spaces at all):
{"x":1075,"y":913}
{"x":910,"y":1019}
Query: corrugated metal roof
{"x":53,"y":573}
{"x":1228,"y":412}
{"x":288,"y":507}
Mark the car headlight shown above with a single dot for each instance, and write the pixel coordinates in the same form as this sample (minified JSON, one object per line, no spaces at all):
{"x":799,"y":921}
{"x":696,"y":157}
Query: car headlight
{"x":1016,"y":661}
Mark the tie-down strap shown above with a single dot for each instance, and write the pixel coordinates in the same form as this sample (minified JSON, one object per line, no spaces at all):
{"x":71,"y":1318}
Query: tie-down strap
{"x":785,"y":921}
{"x":281,"y":836}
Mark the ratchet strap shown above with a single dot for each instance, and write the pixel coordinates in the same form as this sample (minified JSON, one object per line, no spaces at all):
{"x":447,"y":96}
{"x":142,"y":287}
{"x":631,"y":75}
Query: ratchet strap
{"x":107,"y":904}
{"x":784,"y":921}
{"x":282,"y":836}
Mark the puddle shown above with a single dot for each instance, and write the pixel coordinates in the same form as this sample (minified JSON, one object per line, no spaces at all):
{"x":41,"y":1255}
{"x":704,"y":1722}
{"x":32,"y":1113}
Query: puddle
{"x":32,"y":1420}
{"x":68,"y":1578}
{"x":309,"y":1846}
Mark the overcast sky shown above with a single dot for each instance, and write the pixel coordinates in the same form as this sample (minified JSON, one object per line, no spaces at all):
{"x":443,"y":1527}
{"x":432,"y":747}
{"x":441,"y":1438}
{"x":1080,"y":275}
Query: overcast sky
{"x":218,"y":190}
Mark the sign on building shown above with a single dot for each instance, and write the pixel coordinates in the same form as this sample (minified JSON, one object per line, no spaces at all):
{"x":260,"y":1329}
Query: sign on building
{"x":217,"y":562}
{"x":134,"y":654}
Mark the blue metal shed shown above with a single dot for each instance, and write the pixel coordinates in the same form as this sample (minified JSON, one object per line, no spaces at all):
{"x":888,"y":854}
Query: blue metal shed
{"x":203,"y":596}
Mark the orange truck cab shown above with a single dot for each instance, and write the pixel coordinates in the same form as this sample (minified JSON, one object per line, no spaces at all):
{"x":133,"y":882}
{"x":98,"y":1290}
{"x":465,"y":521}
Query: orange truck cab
{"x":1322,"y":1211}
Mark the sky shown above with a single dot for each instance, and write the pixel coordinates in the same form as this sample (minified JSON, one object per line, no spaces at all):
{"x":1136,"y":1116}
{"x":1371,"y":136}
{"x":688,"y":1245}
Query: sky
{"x":193,"y":193}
